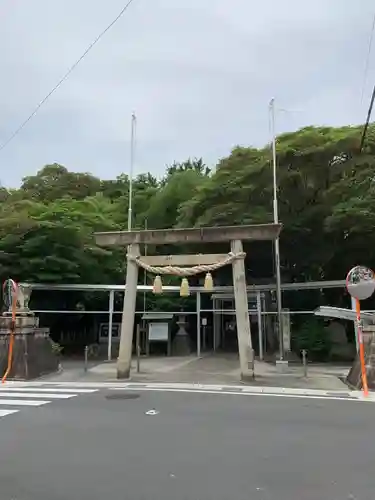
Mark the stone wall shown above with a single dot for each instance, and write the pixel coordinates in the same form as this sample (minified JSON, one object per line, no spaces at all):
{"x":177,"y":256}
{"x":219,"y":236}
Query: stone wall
{"x":354,"y":378}
{"x":33,"y":353}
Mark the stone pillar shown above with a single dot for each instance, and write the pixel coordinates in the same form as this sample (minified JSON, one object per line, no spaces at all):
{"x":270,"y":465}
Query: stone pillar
{"x":127,"y":324}
{"x":242,"y":310}
{"x":181,"y":342}
{"x":216,"y":326}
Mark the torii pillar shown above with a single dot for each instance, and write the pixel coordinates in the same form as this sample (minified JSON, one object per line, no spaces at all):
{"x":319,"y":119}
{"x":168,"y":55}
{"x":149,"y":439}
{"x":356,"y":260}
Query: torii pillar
{"x":233,"y":234}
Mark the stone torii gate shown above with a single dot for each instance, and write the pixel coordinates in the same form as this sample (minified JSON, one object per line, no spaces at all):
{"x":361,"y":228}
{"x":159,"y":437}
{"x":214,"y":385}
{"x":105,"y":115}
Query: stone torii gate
{"x":234,"y":235}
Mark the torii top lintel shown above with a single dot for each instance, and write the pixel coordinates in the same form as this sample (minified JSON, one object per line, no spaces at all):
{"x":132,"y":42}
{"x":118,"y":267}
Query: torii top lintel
{"x":217,"y":234}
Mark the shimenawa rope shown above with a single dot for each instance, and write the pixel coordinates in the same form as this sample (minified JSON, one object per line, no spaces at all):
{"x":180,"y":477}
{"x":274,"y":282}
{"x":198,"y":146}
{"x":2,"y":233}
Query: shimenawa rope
{"x":188,"y":271}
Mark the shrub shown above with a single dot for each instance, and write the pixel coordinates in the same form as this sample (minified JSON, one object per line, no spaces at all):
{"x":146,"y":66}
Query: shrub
{"x":312,"y":336}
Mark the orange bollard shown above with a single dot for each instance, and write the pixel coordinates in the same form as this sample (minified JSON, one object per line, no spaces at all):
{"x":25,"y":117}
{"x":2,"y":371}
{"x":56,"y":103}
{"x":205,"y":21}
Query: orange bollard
{"x":361,"y":348}
{"x":11,"y":339}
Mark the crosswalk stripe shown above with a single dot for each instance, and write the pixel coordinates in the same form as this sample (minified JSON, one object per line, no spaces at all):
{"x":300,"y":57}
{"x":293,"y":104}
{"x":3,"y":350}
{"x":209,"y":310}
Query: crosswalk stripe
{"x":19,"y":394}
{"x":36,"y":395}
{"x":4,"y":413}
{"x":84,"y":385}
{"x":35,"y":388}
{"x":22,"y":402}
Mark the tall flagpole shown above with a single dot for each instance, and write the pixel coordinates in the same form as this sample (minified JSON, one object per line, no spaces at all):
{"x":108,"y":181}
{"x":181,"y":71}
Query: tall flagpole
{"x":277,"y":242}
{"x":132,"y":156}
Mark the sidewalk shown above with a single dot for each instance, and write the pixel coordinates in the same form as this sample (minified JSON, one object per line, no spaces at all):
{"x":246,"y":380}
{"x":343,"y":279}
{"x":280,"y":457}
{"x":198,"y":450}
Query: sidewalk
{"x":224,"y":369}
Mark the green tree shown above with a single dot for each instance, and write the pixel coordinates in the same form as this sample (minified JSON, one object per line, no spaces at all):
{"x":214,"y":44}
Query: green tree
{"x":54,"y":242}
{"x":316,"y":188}
{"x":55,"y":181}
{"x":325,"y":192}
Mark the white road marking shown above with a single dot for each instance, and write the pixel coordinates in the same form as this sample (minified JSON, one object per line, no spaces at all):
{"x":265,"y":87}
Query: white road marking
{"x":4,"y":413}
{"x":248,"y":393}
{"x":251,"y":390}
{"x":33,"y":394}
{"x":46,"y":389}
{"x":151,"y":412}
{"x":36,"y":395}
{"x":82,"y":387}
{"x":22,"y":402}
{"x":187,"y":386}
{"x":88,"y":385}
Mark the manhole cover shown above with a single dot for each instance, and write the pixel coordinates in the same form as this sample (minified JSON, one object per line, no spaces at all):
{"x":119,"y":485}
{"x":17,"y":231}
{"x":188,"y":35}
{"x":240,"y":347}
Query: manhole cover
{"x":126,"y":395}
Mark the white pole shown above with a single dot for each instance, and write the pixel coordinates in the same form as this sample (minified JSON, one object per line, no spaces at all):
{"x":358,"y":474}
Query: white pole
{"x":355,"y":325}
{"x":132,"y":154}
{"x":111,"y":302}
{"x":145,"y":274}
{"x":215,"y":323}
{"x":198,"y":305}
{"x":260,"y":326}
{"x":276,"y":221}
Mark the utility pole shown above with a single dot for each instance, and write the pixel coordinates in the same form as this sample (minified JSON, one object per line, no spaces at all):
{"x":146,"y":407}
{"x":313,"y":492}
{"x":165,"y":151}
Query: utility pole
{"x":277,"y":242}
{"x":132,"y":154}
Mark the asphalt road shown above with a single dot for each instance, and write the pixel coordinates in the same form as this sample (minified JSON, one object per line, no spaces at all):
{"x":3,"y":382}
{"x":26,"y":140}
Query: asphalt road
{"x":198,"y":447}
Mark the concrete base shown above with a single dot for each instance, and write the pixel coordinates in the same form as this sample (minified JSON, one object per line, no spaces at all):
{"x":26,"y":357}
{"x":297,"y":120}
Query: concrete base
{"x":123,"y":374}
{"x":181,"y":345}
{"x":25,"y":322}
{"x":33,"y":355}
{"x":282,"y":366}
{"x":247,"y":377}
{"x":354,"y":378}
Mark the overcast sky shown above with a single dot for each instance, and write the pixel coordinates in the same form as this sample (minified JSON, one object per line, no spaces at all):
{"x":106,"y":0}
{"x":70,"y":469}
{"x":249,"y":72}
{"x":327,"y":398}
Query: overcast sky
{"x":198,"y":73}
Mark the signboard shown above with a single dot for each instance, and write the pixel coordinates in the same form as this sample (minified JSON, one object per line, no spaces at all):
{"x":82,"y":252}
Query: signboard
{"x":204,"y":321}
{"x":158,"y":331}
{"x":252,"y":303}
{"x":104,"y":330}
{"x":286,"y":329}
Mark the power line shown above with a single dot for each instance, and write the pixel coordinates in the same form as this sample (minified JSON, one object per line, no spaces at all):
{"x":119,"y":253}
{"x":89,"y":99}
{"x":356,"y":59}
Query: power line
{"x":368,"y":58}
{"x":369,"y":111}
{"x":367,"y":120}
{"x":62,"y":80}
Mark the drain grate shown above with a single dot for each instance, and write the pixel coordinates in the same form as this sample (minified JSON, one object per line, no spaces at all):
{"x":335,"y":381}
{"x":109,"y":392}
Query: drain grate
{"x":121,"y":396}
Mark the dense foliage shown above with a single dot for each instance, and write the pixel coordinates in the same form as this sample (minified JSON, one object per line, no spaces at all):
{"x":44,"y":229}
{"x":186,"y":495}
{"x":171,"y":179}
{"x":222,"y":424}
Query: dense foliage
{"x":326,"y":193}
